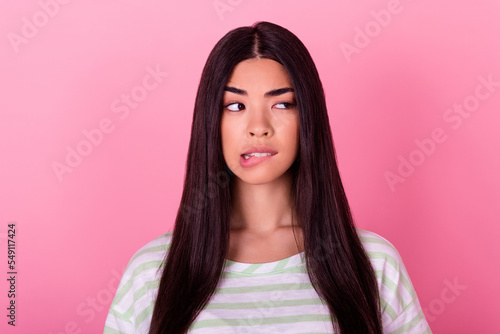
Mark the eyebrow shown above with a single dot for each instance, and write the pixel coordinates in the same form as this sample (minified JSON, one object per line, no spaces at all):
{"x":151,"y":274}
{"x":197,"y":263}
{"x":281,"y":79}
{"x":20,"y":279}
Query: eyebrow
{"x":274,"y":92}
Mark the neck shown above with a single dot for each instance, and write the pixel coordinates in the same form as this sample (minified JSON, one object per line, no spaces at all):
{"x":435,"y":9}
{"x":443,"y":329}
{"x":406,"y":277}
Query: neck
{"x":262,"y":208}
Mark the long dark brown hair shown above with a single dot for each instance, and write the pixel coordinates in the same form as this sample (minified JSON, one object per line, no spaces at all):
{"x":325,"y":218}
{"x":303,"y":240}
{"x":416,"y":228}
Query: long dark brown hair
{"x":337,"y":265}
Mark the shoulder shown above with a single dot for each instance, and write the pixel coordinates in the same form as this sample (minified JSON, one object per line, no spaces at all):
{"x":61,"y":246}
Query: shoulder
{"x":154,"y":249}
{"x":385,"y":259}
{"x":134,"y":296}
{"x":401,"y":310}
{"x":143,"y":269}
{"x":378,"y":247}
{"x":149,"y":256}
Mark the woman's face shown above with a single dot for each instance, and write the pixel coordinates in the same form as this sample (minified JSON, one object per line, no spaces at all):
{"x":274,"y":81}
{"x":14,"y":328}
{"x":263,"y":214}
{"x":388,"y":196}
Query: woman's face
{"x":259,"y":109}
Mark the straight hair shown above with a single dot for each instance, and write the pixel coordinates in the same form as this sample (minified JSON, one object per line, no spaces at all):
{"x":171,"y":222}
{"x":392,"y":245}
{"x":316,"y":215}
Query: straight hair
{"x":336,"y":263}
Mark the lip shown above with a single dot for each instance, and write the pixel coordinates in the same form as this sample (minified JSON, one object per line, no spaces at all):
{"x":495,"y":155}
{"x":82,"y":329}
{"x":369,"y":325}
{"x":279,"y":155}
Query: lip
{"x":252,"y":161}
{"x":260,"y":149}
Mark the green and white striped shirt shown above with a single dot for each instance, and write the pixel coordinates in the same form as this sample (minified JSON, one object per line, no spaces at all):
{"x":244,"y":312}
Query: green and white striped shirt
{"x":273,"y":297}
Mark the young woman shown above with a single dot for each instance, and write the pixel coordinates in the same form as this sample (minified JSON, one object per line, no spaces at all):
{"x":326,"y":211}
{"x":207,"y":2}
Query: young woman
{"x":264,"y":241}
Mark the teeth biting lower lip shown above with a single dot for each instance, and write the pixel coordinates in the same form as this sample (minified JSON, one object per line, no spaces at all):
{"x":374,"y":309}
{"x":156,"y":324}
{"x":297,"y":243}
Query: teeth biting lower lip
{"x":247,"y":156}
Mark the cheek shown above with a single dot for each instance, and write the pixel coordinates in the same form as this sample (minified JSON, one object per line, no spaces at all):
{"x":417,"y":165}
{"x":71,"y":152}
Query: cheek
{"x":290,"y":140}
{"x":298,"y":136}
{"x":227,"y":137}
{"x":295,"y":133}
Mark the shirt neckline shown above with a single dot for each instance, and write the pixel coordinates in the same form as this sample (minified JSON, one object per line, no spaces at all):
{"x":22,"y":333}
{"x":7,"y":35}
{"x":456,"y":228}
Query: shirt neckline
{"x":265,"y":267}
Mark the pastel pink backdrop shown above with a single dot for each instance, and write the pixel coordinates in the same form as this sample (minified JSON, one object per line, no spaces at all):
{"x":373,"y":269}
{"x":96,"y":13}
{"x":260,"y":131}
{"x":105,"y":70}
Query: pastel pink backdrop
{"x":64,"y":69}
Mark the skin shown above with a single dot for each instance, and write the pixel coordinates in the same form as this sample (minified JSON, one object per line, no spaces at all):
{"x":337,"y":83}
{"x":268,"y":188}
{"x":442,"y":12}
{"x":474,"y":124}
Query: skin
{"x":261,"y":214}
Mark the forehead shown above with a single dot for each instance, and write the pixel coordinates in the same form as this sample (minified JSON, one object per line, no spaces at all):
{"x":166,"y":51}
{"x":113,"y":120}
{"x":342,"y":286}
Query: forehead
{"x":259,"y":73}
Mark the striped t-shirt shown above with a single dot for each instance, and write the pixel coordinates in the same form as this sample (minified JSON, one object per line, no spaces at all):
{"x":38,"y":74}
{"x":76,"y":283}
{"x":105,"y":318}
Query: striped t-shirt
{"x":272,"y":297}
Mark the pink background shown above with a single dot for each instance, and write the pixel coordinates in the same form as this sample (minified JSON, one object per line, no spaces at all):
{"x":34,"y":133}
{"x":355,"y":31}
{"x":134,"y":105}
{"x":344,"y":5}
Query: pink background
{"x":77,"y":231}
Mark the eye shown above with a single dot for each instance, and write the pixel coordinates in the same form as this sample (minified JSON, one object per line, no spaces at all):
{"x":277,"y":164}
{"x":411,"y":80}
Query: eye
{"x":235,"y":106}
{"x":285,"y":105}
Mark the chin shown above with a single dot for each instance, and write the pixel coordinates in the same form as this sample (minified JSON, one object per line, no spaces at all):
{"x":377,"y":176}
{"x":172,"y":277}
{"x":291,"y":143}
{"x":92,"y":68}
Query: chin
{"x":261,"y":177}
